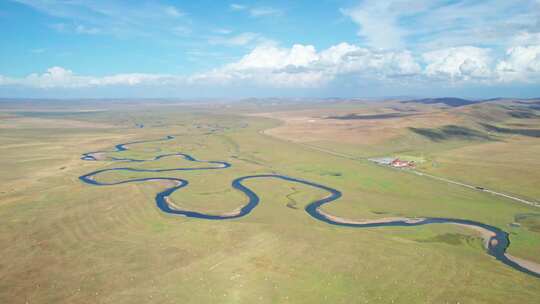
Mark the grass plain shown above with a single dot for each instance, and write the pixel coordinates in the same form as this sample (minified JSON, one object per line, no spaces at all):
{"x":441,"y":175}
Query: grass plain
{"x":63,"y":241}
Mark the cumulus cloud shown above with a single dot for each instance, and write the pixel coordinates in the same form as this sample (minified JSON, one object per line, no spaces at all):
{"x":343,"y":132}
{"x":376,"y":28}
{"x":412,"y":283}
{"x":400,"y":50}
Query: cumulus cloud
{"x":303,"y":66}
{"x":521,"y":64}
{"x":269,"y":65}
{"x":58,"y":77}
{"x":345,"y":58}
{"x":272,"y":57}
{"x":459,"y":63}
{"x":55,"y":77}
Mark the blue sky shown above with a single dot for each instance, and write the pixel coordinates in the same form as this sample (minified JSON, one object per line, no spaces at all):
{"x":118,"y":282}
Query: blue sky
{"x":322,"y":48}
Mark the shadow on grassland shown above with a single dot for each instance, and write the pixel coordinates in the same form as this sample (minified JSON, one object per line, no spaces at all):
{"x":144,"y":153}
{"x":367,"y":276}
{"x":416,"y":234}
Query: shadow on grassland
{"x":524,"y":132}
{"x":450,"y":132}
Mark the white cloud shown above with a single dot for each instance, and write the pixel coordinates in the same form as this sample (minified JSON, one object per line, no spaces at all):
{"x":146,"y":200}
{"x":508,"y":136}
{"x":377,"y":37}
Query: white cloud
{"x":345,"y":58}
{"x":272,"y":57}
{"x":459,"y":63}
{"x":81,"y":29}
{"x":378,"y":24}
{"x":173,"y":11}
{"x":256,"y":11}
{"x":246,"y":39}
{"x":75,"y":29}
{"x":526,"y":38}
{"x":54,"y":77}
{"x":269,"y":65}
{"x":118,"y":18}
{"x":435,"y":24}
{"x":302,"y":66}
{"x":136,"y":79}
{"x":264,"y":11}
{"x":237,"y":7}
{"x":522,"y":64}
{"x":237,"y":40}
{"x":58,"y":77}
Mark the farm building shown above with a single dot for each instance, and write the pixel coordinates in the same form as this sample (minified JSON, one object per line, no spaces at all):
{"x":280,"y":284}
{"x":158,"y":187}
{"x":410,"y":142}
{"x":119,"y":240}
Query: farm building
{"x":398,"y":163}
{"x":394,"y":162}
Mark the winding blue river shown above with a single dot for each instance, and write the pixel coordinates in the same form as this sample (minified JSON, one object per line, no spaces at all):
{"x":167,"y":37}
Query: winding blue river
{"x":496,"y":245}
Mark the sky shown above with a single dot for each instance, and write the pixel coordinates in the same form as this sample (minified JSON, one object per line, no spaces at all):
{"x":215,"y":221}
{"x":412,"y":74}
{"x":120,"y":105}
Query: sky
{"x":231,"y":49}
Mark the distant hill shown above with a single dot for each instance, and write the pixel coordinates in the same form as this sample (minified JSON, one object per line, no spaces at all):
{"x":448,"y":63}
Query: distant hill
{"x":449,"y":101}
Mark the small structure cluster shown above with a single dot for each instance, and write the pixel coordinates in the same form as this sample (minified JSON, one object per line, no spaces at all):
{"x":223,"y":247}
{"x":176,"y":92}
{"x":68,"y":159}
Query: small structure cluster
{"x":393,"y":162}
{"x":398,"y":163}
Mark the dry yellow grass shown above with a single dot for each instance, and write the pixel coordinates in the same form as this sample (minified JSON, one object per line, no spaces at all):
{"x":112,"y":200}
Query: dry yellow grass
{"x":313,"y":125}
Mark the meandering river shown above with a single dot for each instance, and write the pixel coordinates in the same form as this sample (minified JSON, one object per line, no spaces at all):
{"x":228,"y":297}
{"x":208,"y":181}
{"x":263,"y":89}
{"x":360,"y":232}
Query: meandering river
{"x":496,"y":240}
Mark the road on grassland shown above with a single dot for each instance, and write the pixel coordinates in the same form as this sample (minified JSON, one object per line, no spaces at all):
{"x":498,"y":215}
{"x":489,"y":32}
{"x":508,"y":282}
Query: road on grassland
{"x":534,"y":204}
{"x":419,"y":173}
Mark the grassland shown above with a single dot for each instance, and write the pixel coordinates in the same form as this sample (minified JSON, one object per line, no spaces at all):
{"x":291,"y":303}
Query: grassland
{"x":483,"y":144}
{"x":63,"y":241}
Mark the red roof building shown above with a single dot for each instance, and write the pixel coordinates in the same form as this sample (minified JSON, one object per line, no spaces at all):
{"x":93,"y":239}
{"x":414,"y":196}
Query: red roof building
{"x":398,"y":163}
